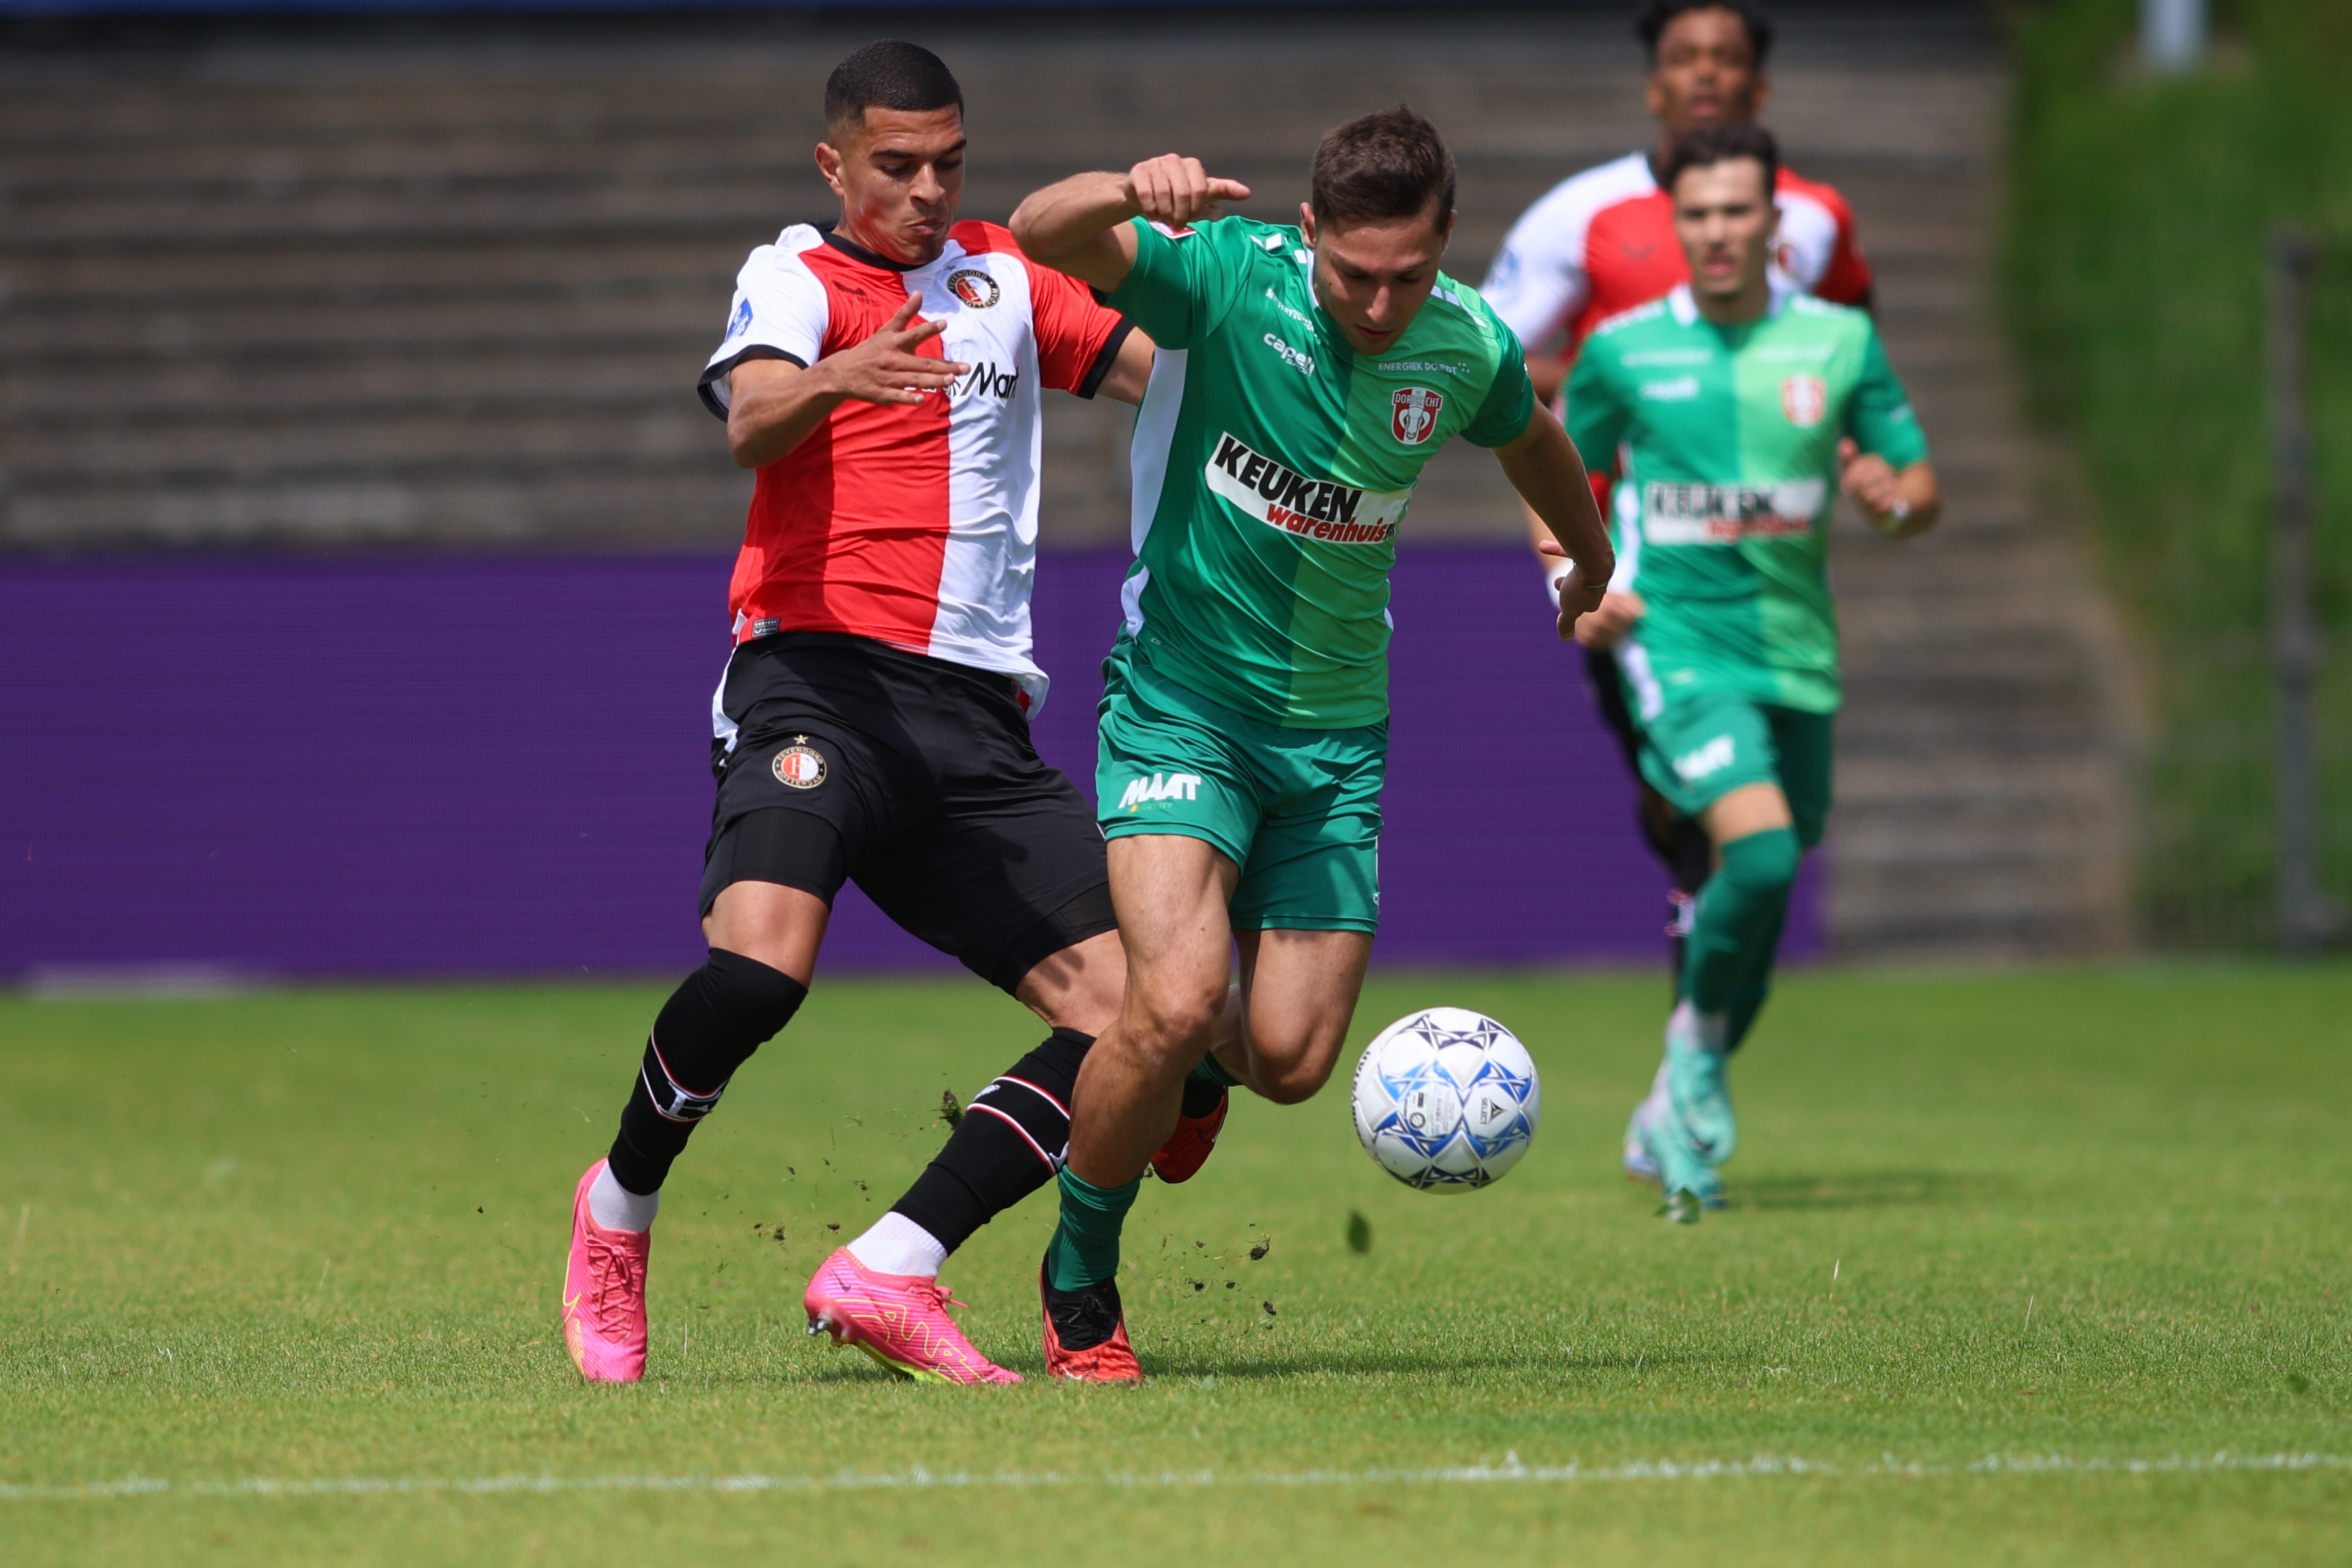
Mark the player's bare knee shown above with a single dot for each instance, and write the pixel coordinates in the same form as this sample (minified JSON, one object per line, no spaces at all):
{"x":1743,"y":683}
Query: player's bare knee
{"x":1288,"y":1077}
{"x":1177,"y":1021}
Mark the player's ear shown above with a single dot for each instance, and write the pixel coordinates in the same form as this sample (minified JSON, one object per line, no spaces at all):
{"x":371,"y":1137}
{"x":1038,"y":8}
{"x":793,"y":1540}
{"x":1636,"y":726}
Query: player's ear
{"x":1306,"y":223}
{"x":828,"y":164}
{"x":1759,"y":93}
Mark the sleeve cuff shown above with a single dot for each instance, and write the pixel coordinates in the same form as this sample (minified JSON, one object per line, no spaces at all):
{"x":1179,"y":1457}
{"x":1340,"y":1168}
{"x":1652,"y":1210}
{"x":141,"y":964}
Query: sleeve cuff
{"x":1105,"y":358}
{"x":712,"y":387}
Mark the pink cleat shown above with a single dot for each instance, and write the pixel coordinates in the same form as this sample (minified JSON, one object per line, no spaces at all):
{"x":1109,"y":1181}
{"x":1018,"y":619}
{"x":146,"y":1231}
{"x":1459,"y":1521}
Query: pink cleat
{"x":900,"y":1320}
{"x":604,"y":1294}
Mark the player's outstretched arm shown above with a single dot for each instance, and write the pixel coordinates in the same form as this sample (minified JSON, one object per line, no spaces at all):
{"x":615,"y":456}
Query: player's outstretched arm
{"x":1901,"y":502}
{"x":1080,"y":225}
{"x":1544,"y":467}
{"x":773,"y":404}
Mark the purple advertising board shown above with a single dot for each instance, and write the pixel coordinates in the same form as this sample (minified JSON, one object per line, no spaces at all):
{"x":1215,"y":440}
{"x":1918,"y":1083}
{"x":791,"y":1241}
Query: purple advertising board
{"x":402,"y":766}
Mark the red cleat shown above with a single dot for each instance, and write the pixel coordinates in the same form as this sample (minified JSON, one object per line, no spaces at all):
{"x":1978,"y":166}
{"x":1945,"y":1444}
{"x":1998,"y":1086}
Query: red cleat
{"x":1092,"y":1318}
{"x":1189,"y":1147}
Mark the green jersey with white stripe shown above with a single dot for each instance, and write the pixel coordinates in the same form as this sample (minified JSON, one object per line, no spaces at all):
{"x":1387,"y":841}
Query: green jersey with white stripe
{"x":1272,"y":464}
{"x":1724,"y":441}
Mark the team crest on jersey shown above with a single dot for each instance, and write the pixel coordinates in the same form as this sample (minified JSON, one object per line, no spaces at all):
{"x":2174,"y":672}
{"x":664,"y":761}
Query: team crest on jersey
{"x":974,"y":288}
{"x":1412,"y":413}
{"x":799,"y":766}
{"x":1804,"y":399}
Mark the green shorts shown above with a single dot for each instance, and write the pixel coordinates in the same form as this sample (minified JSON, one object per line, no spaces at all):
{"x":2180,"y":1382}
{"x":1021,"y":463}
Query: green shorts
{"x":1297,"y":810}
{"x":1704,"y":745}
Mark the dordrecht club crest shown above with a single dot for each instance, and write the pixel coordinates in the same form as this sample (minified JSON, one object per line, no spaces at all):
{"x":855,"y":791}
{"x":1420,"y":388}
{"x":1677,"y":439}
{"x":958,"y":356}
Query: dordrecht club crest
{"x":1412,"y":413}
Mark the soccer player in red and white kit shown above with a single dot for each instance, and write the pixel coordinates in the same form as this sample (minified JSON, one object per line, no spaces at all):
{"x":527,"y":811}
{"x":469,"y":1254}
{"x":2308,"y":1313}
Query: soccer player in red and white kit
{"x":1602,"y":242}
{"x":884,"y":378}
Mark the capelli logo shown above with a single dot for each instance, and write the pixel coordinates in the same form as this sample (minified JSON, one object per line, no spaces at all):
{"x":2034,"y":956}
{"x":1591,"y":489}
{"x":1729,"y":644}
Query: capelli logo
{"x":1301,"y":363}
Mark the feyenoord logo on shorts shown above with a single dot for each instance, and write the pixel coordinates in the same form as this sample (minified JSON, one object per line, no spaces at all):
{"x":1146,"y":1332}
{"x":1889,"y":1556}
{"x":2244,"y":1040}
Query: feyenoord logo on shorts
{"x":1804,"y":399}
{"x":799,"y":766}
{"x":974,"y":288}
{"x":1412,"y":413}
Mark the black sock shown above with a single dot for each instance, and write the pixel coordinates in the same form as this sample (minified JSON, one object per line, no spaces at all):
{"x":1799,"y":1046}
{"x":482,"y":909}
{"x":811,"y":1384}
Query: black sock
{"x":1200,"y":1096}
{"x":711,"y":1023}
{"x":1010,"y":1142}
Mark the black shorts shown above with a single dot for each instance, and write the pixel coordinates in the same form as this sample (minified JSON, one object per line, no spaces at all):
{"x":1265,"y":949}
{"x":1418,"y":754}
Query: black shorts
{"x":914,"y":779}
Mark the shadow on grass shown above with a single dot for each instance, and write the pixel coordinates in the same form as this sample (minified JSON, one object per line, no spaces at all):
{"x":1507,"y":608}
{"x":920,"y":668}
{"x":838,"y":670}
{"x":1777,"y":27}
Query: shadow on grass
{"x":1434,"y":1364}
{"x":1861,"y":1190}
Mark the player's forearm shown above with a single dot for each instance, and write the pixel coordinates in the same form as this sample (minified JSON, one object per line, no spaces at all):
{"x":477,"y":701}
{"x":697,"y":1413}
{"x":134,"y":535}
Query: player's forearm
{"x":1068,"y":225}
{"x":776,"y":413}
{"x":1550,"y":476}
{"x":1918,"y":507}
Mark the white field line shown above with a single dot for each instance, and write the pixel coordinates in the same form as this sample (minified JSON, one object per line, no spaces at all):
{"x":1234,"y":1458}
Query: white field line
{"x":918,"y":1479}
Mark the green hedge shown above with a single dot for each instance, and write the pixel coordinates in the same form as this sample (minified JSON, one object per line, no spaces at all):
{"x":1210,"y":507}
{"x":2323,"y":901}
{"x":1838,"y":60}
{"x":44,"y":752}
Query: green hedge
{"x":2133,"y":268}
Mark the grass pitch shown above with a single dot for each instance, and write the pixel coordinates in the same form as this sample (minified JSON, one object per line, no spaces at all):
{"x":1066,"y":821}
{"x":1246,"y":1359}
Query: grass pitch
{"x":2042,"y":1269}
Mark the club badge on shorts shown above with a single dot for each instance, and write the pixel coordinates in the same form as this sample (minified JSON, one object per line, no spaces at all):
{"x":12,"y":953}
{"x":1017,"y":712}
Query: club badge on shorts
{"x":1412,"y":413}
{"x":1804,"y":399}
{"x":799,"y":766}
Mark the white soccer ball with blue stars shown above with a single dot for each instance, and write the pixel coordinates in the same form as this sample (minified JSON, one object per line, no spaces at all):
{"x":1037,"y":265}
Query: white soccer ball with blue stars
{"x":1446,"y":1099}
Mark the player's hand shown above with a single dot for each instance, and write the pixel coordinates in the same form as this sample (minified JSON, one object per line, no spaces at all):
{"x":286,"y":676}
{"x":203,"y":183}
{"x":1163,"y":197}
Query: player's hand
{"x":885,"y":368}
{"x":1177,"y":191}
{"x":1578,"y":600}
{"x":1871,"y":480}
{"x":1609,"y":625}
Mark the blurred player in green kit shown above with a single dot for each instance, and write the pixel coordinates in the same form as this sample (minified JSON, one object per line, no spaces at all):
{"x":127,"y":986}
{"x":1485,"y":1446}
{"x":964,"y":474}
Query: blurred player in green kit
{"x":1723,"y":404}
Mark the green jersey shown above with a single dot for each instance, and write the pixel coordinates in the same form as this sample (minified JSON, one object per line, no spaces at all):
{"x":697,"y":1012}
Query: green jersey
{"x":1272,"y":464}
{"x":1724,"y":442}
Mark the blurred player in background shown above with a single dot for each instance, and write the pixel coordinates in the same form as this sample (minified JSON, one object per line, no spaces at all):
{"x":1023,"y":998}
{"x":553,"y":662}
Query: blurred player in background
{"x":872,"y":724}
{"x":1732,"y":411}
{"x":1304,"y":376}
{"x":1602,"y":242}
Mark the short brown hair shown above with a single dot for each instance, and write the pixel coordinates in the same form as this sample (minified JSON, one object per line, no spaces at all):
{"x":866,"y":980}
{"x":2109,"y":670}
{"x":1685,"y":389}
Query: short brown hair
{"x":1712,"y":144}
{"x":1386,"y":165}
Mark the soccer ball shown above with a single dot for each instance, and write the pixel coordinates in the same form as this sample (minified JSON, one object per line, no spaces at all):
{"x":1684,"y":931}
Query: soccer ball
{"x":1446,"y":1099}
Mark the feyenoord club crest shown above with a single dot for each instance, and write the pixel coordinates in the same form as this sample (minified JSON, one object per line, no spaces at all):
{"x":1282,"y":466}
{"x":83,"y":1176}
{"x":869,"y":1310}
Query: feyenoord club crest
{"x":1804,"y":399}
{"x":799,"y":766}
{"x":974,"y":288}
{"x":1412,"y":413}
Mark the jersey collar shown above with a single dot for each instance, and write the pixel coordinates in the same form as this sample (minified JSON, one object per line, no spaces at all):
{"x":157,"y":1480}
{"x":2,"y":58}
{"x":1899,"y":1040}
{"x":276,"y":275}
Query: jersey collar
{"x":859,"y":253}
{"x":1684,"y":306}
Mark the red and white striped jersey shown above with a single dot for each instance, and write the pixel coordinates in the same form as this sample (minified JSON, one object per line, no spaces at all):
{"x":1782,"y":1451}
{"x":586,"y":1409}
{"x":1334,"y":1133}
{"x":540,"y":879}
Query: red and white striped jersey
{"x":1604,"y":241}
{"x":912,"y":524}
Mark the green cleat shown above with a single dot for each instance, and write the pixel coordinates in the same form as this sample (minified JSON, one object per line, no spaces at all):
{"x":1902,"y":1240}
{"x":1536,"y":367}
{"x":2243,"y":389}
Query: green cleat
{"x":1688,"y":1182}
{"x":1698,"y":1090}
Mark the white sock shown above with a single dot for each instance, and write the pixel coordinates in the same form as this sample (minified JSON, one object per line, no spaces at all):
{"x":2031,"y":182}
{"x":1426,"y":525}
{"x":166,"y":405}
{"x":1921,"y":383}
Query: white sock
{"x":616,"y":1207}
{"x":897,"y":1245}
{"x":1711,"y":1030}
{"x":1658,"y":1087}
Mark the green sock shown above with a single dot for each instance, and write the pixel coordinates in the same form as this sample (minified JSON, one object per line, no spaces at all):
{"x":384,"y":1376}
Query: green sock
{"x":1211,"y":1070}
{"x":1084,"y":1249}
{"x":1739,"y":919}
{"x":1747,"y":996}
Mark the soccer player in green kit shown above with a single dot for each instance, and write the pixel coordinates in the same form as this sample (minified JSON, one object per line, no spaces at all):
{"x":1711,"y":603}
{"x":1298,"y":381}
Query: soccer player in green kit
{"x":1303,"y":376}
{"x":1723,"y":406}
